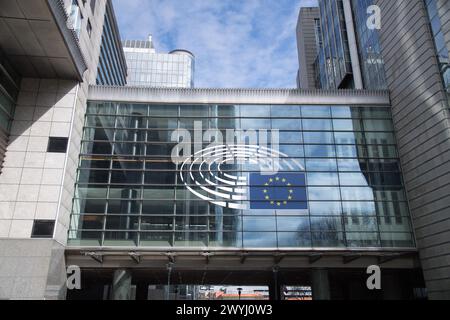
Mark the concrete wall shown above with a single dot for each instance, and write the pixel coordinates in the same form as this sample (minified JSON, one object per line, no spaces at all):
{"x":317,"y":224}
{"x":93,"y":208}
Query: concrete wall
{"x":90,"y":47}
{"x":307,"y":50}
{"x":28,"y":266}
{"x":422,"y":121}
{"x":36,"y":184}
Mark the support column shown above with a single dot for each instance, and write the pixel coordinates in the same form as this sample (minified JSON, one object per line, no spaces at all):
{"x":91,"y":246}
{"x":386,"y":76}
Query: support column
{"x":121,"y":288}
{"x":320,"y":284}
{"x":274,"y":286}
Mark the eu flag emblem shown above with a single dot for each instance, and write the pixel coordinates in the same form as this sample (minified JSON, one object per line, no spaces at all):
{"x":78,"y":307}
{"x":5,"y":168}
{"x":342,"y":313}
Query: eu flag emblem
{"x":285,"y":191}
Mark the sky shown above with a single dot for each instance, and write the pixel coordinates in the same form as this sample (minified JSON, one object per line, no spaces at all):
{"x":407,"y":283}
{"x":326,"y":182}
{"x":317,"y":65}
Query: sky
{"x":236,"y":43}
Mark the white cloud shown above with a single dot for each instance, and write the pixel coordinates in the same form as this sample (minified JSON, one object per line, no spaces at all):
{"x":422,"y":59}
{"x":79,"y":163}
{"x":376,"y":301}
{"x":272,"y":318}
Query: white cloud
{"x":248,"y":43}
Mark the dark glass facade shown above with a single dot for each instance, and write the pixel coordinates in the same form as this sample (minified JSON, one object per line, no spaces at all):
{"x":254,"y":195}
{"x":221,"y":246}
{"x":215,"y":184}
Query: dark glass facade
{"x":112,"y":67}
{"x":439,"y":41}
{"x":333,"y":65}
{"x":129,"y":192}
{"x":371,"y":59}
{"x":9,"y":90}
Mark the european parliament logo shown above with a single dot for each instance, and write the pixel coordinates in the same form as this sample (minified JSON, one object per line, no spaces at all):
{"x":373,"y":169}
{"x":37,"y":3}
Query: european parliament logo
{"x":285,"y":191}
{"x":217,"y":174}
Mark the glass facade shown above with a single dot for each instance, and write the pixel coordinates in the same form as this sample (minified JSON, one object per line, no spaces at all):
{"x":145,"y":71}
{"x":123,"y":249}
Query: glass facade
{"x":439,"y":41}
{"x":333,"y":64}
{"x":150,"y":69}
{"x":112,"y":67}
{"x":371,"y":59}
{"x":129,"y":192}
{"x":9,"y":90}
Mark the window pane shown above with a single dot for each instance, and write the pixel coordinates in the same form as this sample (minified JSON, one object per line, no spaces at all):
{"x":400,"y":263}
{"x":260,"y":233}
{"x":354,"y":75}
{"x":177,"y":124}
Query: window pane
{"x":316,"y":112}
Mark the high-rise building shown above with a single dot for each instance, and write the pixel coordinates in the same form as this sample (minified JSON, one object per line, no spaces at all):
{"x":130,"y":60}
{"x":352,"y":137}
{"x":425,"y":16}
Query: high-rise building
{"x":112,"y":65}
{"x":348,"y":52}
{"x":166,"y":70}
{"x":308,"y":43}
{"x":415,"y":54}
{"x":369,"y":49}
{"x":334,"y":69}
{"x":50,"y":51}
{"x":408,"y":54}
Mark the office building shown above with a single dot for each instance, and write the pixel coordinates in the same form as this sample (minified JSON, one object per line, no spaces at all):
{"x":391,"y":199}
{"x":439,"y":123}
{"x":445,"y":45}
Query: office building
{"x":369,"y":49}
{"x":416,"y":64}
{"x":112,"y":65}
{"x":49,"y":55}
{"x":308,"y":43}
{"x":151,"y":69}
{"x":408,"y":56}
{"x":334,"y":68}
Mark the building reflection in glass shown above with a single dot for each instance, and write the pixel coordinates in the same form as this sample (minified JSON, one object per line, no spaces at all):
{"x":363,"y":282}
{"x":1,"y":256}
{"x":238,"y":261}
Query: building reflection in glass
{"x":129,"y":192}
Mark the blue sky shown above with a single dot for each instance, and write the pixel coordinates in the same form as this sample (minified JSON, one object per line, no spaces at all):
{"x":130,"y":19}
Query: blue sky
{"x":237,"y":43}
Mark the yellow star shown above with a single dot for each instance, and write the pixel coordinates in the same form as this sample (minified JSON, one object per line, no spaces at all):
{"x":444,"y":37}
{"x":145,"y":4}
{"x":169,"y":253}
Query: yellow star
{"x":266,"y":184}
{"x":265,"y":191}
{"x":278,"y":203}
{"x":284,"y":180}
{"x":289,"y":184}
{"x":289,"y":198}
{"x":285,"y":202}
{"x":278,"y":179}
{"x":271,"y":180}
{"x":272,"y":202}
{"x":291,"y":191}
{"x":267,"y":197}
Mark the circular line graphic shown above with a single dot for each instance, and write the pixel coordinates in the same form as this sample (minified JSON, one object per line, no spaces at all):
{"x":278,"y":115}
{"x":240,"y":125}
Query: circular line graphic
{"x":229,"y":189}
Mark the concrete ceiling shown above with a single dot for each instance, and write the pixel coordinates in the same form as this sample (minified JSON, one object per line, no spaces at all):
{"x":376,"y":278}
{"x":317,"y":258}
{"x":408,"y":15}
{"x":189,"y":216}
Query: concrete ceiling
{"x":33,"y":42}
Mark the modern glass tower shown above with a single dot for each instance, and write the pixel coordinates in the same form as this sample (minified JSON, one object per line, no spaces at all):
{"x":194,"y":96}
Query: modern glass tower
{"x":369,"y":49}
{"x":112,"y":65}
{"x":349,"y":53}
{"x":334,"y":51}
{"x":408,"y":56}
{"x":309,"y":41}
{"x":152,"y":69}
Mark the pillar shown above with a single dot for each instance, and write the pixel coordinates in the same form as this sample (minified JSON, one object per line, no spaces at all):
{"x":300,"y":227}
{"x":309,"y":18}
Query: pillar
{"x":320,"y":284}
{"x":121,"y":287}
{"x":274,"y":286}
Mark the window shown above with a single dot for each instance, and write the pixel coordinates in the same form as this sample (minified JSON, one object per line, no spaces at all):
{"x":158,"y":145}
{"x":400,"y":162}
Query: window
{"x":439,"y":41}
{"x":43,"y":229}
{"x":57,"y":145}
{"x":76,"y":17}
{"x":130,"y":192}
